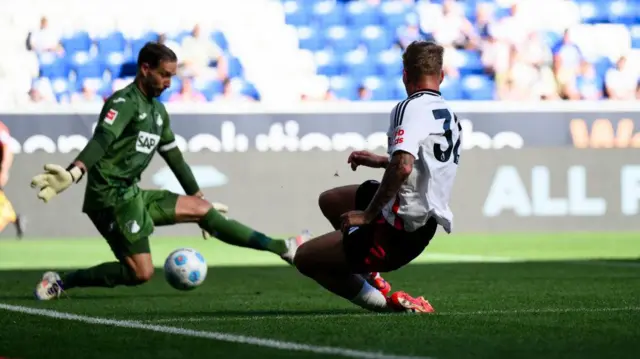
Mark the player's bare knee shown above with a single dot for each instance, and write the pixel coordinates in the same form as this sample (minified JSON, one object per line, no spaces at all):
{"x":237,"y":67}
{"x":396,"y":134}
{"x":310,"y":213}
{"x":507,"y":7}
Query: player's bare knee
{"x":302,"y":260}
{"x":327,"y":201}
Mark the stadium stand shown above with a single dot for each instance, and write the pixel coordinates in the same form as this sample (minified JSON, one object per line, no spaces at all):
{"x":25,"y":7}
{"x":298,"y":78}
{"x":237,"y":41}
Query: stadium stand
{"x":291,"y":50}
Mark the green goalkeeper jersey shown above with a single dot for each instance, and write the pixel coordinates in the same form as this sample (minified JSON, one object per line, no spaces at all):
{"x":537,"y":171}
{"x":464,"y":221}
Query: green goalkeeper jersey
{"x":141,"y":127}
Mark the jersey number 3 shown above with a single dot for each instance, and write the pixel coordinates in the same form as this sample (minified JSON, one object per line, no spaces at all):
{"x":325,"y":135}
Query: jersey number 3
{"x":445,"y":156}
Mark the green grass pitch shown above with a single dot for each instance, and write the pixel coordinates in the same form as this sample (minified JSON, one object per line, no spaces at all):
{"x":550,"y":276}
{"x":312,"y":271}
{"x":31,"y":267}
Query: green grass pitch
{"x":508,"y":296}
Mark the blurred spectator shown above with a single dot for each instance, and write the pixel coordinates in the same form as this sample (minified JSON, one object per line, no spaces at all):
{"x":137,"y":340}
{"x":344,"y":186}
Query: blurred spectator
{"x":364,"y":94}
{"x":44,"y":39}
{"x":454,"y":29}
{"x":587,"y":86}
{"x":202,"y":56}
{"x":187,"y":93}
{"x":177,"y":49}
{"x":410,"y":31}
{"x":512,"y":28}
{"x":505,"y":50}
{"x":567,"y":58}
{"x":42,"y":91}
{"x":621,"y":81}
{"x":230,"y":94}
{"x":496,"y":60}
{"x":484,"y":18}
{"x":88,"y":94}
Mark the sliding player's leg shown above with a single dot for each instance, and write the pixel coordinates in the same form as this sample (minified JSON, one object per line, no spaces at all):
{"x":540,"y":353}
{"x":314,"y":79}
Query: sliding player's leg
{"x":337,"y":201}
{"x":167,"y":208}
{"x":336,"y":264}
{"x":126,"y":228}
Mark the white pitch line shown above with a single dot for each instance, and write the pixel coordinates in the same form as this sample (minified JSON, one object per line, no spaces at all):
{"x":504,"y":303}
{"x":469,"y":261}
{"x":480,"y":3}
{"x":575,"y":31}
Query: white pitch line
{"x":224,"y":337}
{"x":373,"y":315}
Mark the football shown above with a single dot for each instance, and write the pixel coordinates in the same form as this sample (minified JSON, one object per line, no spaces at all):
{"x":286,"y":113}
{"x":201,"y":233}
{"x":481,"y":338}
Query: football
{"x":185,"y":269}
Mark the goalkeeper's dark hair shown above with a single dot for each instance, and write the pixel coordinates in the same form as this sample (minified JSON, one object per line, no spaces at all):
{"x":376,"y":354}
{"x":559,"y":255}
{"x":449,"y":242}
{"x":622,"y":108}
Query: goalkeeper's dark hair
{"x":153,"y":53}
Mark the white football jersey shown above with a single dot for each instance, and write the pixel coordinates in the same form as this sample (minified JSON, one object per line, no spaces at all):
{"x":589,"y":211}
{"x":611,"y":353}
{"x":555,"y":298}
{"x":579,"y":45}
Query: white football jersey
{"x":426,"y":127}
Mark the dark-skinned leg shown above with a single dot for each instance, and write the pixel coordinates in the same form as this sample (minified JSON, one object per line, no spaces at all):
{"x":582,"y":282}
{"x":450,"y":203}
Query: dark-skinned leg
{"x":323,"y":259}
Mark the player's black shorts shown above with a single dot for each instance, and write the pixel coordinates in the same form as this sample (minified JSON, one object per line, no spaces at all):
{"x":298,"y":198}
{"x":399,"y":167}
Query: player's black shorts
{"x":379,"y":246}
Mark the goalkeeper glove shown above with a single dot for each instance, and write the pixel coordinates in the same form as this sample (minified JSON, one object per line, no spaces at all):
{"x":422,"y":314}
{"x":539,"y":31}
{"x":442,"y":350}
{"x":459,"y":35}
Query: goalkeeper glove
{"x":54,"y":180}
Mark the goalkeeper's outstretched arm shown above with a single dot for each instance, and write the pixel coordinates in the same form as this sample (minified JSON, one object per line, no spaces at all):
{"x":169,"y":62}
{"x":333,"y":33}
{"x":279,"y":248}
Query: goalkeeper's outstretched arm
{"x":112,"y":122}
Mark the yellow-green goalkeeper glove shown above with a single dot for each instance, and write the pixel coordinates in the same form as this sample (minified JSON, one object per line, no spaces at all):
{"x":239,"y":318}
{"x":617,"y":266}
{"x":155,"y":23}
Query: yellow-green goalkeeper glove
{"x":54,"y":180}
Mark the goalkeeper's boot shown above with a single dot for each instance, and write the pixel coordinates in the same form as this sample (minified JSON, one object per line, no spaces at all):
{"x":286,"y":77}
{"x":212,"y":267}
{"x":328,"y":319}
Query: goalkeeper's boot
{"x":50,"y":287}
{"x":403,"y":302}
{"x":376,"y":281}
{"x":293,"y":244}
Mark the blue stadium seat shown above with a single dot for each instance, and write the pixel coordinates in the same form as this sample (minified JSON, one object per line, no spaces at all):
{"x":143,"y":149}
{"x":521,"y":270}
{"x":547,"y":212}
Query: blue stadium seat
{"x":113,"y":62}
{"x":622,"y":12}
{"x":221,"y":40}
{"x":296,"y":13}
{"x":341,"y":39}
{"x":592,"y":12}
{"x":358,"y":64}
{"x":310,"y":38}
{"x":329,"y":13}
{"x":393,"y":14}
{"x":248,"y":89}
{"x":360,"y":14}
{"x":551,"y":38}
{"x":235,"y":67}
{"x":85,"y":66}
{"x":478,"y":88}
{"x":376,"y":39}
{"x":379,"y":89}
{"x":113,"y":42}
{"x":327,"y":63}
{"x":79,"y":41}
{"x":53,"y":66}
{"x":602,"y":65}
{"x":138,"y":43}
{"x":469,"y":9}
{"x":451,"y":89}
{"x":344,"y":87}
{"x":399,"y":91}
{"x":634,"y":31}
{"x":210,"y":89}
{"x":60,"y":88}
{"x":472,"y":63}
{"x":390,"y":63}
{"x":179,"y":36}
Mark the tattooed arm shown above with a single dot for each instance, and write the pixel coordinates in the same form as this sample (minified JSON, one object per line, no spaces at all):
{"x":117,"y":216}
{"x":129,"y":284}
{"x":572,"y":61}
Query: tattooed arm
{"x":398,"y":169}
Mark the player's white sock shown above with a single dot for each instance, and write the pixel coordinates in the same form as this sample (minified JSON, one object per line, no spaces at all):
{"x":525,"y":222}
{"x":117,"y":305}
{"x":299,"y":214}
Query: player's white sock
{"x":370,"y":298}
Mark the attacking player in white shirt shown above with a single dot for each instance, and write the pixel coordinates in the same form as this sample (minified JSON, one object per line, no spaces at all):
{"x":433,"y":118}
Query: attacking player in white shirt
{"x":381,"y":227}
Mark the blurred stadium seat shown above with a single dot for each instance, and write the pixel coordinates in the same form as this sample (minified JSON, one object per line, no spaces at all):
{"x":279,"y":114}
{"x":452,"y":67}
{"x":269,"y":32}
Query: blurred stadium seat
{"x":512,"y":50}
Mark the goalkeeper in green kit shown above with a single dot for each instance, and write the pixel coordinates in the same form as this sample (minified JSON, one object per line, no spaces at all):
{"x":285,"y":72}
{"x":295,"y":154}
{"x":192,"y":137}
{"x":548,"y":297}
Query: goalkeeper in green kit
{"x":133,"y":125}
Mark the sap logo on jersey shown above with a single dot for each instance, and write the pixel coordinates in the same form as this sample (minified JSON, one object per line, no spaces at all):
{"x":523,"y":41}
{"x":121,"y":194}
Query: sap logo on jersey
{"x":147,"y":142}
{"x":206,"y":176}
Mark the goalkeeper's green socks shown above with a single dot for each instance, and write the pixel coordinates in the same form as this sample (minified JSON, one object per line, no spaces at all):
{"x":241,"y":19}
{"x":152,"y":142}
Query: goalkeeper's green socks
{"x":107,"y":275}
{"x":237,"y":234}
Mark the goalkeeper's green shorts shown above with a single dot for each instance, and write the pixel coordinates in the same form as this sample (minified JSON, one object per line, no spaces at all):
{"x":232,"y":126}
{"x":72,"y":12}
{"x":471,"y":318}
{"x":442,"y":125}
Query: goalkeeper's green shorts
{"x":128,"y":225}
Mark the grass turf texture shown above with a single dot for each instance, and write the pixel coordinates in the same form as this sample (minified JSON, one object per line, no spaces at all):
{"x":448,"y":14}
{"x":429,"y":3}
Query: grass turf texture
{"x":543,"y":296}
